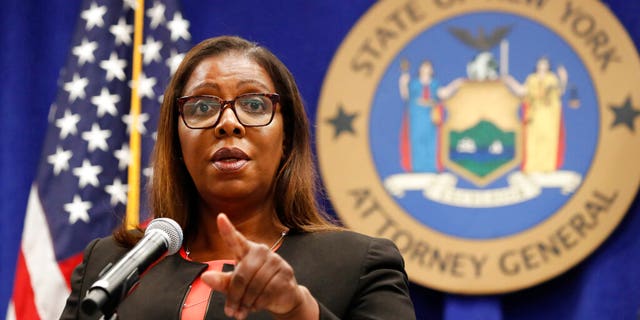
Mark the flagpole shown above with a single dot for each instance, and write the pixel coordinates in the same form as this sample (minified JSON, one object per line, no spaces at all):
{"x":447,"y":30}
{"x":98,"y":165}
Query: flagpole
{"x":133,"y":197}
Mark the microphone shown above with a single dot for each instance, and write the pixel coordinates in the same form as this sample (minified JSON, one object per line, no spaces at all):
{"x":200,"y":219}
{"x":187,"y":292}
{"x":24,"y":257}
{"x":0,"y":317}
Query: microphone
{"x":163,"y":235}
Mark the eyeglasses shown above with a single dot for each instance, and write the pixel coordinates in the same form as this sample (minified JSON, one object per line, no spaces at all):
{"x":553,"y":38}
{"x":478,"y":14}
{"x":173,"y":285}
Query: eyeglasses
{"x":251,"y":109}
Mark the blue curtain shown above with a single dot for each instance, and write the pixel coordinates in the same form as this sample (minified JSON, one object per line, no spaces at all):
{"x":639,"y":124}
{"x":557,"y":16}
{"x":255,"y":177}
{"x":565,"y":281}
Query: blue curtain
{"x":35,"y":38}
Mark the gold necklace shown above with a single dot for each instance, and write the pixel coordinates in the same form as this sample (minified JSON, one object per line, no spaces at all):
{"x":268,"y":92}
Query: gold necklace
{"x":187,"y":251}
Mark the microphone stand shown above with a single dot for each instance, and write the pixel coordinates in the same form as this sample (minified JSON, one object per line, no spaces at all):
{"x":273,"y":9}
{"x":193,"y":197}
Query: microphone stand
{"x":107,"y":293}
{"x":98,"y":298}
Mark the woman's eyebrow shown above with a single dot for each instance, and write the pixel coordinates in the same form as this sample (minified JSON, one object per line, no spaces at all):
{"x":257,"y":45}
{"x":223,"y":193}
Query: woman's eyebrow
{"x":252,"y":82}
{"x":206,"y":85}
{"x":241,"y":84}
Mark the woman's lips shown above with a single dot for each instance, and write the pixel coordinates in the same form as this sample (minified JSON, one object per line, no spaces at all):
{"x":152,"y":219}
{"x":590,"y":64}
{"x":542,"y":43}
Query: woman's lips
{"x":229,"y":165}
{"x":229,"y":159}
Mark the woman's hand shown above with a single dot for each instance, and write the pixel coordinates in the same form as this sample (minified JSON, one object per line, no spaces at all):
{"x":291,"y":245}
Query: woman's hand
{"x":261,"y":280}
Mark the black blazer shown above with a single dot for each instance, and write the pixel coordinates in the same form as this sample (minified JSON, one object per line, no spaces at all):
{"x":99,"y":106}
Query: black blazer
{"x":352,"y":276}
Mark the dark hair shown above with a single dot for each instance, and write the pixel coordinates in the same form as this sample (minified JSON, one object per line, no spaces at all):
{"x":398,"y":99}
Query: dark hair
{"x":172,"y":192}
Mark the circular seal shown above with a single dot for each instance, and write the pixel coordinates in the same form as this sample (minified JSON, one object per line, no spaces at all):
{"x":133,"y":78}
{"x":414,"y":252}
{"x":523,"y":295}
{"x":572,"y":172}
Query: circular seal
{"x":494,"y":142}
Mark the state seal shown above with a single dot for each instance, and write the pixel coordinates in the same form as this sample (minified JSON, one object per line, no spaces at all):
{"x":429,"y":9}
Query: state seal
{"x":493,"y":141}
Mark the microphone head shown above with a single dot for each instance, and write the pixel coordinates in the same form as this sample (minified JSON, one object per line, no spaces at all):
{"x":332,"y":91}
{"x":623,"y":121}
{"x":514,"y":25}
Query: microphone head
{"x":170,"y":229}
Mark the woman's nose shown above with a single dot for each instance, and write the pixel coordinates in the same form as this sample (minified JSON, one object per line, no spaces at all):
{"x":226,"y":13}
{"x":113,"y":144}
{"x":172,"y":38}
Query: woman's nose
{"x":229,"y":125}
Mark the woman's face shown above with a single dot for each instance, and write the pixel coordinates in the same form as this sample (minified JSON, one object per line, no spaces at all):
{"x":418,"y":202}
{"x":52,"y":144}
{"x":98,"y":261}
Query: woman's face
{"x":542,"y":65}
{"x":426,"y":71}
{"x":229,"y":161}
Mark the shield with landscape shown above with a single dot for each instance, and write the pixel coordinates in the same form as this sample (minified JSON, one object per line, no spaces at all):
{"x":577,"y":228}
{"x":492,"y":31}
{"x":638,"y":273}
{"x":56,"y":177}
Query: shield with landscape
{"x":482,"y":133}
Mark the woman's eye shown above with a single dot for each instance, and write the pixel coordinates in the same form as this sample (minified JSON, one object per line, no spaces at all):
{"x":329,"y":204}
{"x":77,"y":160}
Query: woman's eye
{"x":254,"y":105}
{"x":202,"y":107}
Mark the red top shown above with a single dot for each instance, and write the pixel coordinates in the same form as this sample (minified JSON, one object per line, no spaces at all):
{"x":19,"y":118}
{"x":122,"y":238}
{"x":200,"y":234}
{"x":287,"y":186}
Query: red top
{"x":197,"y":300}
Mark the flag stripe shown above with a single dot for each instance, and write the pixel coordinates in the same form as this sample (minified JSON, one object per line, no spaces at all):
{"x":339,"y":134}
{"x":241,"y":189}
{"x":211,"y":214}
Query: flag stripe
{"x":48,"y":283}
{"x":23,"y":294}
{"x":11,"y":314}
{"x":67,"y":266}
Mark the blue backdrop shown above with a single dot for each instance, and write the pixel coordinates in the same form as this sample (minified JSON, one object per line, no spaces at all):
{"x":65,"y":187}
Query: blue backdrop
{"x":35,"y":38}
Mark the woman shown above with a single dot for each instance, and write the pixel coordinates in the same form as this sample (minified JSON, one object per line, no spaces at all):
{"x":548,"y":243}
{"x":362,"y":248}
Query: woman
{"x":542,"y":116}
{"x":241,"y":184}
{"x":424,"y":96}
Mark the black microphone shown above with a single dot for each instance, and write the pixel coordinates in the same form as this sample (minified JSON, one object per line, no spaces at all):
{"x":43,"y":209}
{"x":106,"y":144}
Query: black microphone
{"x":162,"y":235}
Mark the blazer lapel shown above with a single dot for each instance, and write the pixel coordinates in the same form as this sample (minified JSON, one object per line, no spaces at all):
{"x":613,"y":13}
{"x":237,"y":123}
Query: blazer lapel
{"x":161,"y":291}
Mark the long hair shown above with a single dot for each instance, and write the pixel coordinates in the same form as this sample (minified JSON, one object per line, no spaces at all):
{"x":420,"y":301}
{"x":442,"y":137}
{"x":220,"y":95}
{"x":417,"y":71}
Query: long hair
{"x":172,"y":192}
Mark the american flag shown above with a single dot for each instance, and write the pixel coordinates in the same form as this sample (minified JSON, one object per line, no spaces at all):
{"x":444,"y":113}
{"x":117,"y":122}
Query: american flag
{"x":80,"y":192}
